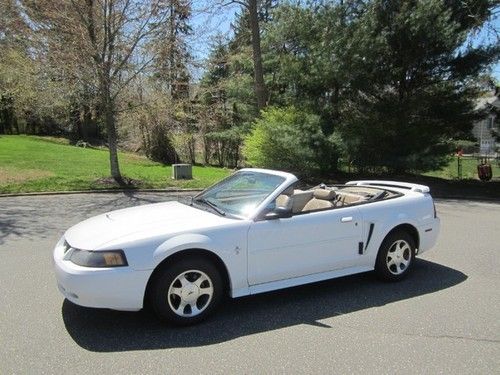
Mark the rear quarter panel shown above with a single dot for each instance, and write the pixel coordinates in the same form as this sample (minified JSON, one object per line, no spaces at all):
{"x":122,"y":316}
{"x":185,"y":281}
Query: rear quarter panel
{"x":412,"y":208}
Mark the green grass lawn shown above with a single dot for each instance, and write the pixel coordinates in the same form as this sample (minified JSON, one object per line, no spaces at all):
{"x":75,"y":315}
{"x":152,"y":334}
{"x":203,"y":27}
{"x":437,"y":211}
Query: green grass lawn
{"x":30,"y":164}
{"x":469,"y":169}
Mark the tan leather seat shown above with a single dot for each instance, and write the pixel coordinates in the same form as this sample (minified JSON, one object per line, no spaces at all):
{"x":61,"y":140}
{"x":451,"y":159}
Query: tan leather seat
{"x":297,"y":201}
{"x":284,"y":201}
{"x":322,"y":199}
{"x":300,"y":199}
{"x":345,"y":198}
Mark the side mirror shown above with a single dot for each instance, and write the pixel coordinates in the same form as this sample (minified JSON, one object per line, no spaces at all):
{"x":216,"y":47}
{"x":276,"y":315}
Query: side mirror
{"x":278,"y":213}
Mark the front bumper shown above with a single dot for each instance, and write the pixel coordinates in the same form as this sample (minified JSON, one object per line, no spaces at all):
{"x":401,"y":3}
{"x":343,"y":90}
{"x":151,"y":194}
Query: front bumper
{"x":120,"y":288}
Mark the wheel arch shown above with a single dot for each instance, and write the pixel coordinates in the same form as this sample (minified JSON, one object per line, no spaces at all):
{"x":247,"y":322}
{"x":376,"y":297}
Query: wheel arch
{"x":408,"y":228}
{"x":198,"y":252}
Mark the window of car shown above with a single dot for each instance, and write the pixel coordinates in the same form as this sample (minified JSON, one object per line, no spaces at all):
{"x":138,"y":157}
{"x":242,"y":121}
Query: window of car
{"x":240,"y":193}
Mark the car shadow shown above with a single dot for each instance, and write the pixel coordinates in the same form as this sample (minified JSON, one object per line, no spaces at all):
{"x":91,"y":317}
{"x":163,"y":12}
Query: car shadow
{"x":101,"y":330}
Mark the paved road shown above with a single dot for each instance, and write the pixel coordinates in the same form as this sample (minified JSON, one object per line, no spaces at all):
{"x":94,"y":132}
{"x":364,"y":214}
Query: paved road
{"x":443,"y":318}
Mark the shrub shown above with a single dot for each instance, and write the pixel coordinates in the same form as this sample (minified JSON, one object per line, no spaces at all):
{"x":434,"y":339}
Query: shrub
{"x":185,"y":146}
{"x":467,"y":146}
{"x":224,"y":147}
{"x":288,"y":139}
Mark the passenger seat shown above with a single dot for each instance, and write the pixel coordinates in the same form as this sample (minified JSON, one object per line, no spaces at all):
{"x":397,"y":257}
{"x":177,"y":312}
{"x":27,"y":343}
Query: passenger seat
{"x":322,"y":199}
{"x":300,"y":199}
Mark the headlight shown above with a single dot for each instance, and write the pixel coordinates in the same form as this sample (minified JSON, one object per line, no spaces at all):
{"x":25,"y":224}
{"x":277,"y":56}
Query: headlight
{"x":86,"y":258}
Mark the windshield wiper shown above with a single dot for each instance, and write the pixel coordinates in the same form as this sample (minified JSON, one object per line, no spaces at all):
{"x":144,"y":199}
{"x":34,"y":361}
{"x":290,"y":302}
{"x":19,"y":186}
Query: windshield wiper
{"x":211,"y":205}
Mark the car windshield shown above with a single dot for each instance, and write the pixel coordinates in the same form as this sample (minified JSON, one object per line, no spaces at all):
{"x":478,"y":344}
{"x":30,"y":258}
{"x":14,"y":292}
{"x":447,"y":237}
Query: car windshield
{"x":240,"y":193}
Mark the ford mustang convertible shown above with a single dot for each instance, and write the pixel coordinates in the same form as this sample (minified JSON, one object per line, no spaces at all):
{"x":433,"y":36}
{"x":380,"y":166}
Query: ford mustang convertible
{"x":253,"y":232}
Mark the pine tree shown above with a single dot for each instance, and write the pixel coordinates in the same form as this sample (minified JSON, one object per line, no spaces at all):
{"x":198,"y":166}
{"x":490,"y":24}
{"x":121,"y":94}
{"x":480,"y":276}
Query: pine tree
{"x":172,"y":52}
{"x":413,"y":82}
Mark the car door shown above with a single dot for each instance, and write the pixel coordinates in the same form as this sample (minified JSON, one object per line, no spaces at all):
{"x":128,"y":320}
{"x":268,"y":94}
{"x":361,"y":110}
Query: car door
{"x":303,"y":244}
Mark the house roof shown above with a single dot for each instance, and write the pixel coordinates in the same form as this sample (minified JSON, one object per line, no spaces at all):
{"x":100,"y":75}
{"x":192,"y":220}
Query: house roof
{"x":490,"y":99}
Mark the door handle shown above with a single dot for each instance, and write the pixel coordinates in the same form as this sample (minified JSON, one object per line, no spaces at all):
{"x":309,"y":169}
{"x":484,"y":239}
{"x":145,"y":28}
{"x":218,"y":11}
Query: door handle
{"x":346,"y":219}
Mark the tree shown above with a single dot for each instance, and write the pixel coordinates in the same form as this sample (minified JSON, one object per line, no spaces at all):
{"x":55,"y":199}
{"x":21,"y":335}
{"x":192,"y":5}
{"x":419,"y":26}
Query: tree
{"x":106,"y":38}
{"x":172,"y":55}
{"x":260,"y":86}
{"x":15,"y":67}
{"x":109,"y":25}
{"x":389,"y":83}
{"x":214,"y":115}
{"x":167,"y":87}
{"x":150,"y":122}
{"x":412,"y":88}
{"x":307,"y":49}
{"x":252,"y":7}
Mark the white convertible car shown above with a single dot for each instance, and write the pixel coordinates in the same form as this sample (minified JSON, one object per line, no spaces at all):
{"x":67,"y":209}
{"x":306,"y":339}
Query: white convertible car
{"x":253,"y":232}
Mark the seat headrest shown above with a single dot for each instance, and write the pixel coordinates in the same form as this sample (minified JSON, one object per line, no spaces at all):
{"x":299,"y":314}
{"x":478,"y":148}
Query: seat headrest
{"x":324,"y":194}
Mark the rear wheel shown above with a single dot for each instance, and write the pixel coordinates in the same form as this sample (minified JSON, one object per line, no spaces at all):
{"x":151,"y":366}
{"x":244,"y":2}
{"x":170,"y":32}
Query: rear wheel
{"x":396,"y":256}
{"x":187,"y":291}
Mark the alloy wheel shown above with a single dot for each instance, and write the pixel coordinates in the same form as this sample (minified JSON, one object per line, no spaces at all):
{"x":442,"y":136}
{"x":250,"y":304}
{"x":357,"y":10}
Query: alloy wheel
{"x":190,"y":293}
{"x":398,"y":257}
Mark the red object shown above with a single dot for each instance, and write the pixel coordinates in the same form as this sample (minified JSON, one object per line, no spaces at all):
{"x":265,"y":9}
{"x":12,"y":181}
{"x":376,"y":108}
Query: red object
{"x":484,"y":172}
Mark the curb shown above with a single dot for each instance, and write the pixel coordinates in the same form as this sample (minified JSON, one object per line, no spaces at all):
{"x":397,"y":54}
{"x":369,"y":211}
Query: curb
{"x":104,"y":191}
{"x":174,"y":190}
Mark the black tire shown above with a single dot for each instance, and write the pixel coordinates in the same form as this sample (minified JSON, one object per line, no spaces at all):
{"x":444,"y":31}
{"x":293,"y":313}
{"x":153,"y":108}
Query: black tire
{"x":396,"y":249}
{"x":164,"y":301}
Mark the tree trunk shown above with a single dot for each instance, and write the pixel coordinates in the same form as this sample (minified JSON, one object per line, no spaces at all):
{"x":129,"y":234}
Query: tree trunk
{"x":88,"y":126}
{"x":113,"y":151}
{"x":259,"y":85}
{"x":15,"y":124}
{"x":8,"y":121}
{"x":171,"y":55}
{"x":206,"y":150}
{"x":109,"y":118}
{"x":2,"y":120}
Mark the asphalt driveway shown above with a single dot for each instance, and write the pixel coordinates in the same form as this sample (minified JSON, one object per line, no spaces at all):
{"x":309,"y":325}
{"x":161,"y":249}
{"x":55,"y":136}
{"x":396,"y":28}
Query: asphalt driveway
{"x":443,"y":318}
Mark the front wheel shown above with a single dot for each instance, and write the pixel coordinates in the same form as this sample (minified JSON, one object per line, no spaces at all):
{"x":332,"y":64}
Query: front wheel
{"x":395,"y":257}
{"x":187,"y":291}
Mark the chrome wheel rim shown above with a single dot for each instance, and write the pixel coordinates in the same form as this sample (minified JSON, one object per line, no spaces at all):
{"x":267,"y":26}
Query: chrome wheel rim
{"x":190,"y":293}
{"x":398,"y":257}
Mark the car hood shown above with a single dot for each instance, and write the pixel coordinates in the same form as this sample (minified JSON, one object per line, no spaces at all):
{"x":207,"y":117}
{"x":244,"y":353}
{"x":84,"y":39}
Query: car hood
{"x":147,"y":221}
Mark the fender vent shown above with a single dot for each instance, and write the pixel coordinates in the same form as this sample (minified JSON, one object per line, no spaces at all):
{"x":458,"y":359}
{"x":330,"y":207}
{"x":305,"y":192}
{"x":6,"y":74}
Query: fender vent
{"x":370,"y":232}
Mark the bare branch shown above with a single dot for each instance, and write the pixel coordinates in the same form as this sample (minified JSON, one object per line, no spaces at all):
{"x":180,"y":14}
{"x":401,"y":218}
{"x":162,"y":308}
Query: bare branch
{"x":138,"y":37}
{"x":132,"y":76}
{"x":242,"y":3}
